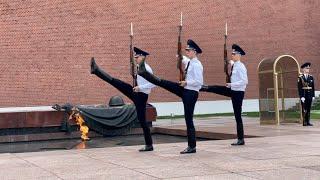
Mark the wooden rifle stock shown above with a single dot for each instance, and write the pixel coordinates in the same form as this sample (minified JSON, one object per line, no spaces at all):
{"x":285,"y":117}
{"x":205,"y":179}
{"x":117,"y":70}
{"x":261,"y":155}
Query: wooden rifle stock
{"x":179,"y":58}
{"x":133,"y":66}
{"x":225,"y":59}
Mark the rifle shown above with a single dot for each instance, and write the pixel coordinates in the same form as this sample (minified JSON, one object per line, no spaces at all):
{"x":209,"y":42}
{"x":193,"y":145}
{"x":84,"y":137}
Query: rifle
{"x":179,"y":58}
{"x":225,"y":57}
{"x":133,"y":65}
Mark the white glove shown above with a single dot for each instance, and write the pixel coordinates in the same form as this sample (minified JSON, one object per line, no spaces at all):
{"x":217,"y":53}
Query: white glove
{"x":303,"y":99}
{"x":313,"y":98}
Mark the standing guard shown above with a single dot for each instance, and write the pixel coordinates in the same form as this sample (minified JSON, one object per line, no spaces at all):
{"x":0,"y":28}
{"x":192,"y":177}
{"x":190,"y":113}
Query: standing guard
{"x":306,"y":92}
{"x":187,"y":89}
{"x":138,"y":94}
{"x":234,"y":89}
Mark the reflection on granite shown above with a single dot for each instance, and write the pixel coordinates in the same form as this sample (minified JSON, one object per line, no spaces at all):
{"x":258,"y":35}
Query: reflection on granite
{"x":97,"y":142}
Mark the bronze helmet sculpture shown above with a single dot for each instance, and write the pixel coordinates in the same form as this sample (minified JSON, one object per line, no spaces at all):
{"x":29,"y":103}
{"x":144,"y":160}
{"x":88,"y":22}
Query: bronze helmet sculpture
{"x":116,"y":101}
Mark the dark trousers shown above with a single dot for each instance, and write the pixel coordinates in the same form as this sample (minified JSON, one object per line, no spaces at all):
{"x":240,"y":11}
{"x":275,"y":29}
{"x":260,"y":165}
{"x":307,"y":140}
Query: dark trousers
{"x":189,"y":99}
{"x":139,"y":99}
{"x":306,"y":107}
{"x":236,"y":98}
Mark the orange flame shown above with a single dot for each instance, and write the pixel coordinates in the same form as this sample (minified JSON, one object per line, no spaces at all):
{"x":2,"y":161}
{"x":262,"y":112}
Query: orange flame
{"x":79,"y":120}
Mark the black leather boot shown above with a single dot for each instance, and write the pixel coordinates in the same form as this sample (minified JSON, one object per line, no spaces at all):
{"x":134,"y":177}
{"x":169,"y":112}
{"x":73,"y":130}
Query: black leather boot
{"x":148,"y":76}
{"x":189,"y":150}
{"x":238,"y":143}
{"x":146,"y":148}
{"x":308,"y":123}
{"x":98,"y":72}
{"x":204,"y":88}
{"x":304,"y":122}
{"x":93,"y":66}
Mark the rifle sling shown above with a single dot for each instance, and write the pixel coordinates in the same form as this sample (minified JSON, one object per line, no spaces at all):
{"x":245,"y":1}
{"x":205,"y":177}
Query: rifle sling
{"x":186,"y":70}
{"x":231,"y":71}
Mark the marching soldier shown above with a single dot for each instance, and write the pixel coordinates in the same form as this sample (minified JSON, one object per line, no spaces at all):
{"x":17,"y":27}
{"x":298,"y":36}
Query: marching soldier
{"x":235,"y":89}
{"x":138,"y":94}
{"x":306,"y":92}
{"x":187,"y":90}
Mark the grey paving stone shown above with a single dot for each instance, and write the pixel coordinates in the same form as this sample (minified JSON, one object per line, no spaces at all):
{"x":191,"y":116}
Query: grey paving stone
{"x":285,"y":174}
{"x":29,"y":172}
{"x":289,"y":152}
{"x":228,"y":176}
{"x":181,"y":170}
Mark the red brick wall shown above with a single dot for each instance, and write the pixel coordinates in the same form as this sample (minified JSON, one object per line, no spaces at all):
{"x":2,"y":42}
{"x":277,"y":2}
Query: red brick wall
{"x":46,"y":46}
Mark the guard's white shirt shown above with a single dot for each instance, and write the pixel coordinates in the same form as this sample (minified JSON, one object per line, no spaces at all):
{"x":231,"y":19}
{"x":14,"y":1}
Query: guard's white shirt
{"x":194,"y":76}
{"x":144,"y":85}
{"x":239,"y":78}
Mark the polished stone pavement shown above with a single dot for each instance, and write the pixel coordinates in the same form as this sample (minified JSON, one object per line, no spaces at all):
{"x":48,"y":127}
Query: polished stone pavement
{"x":287,"y":155}
{"x":225,"y":128}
